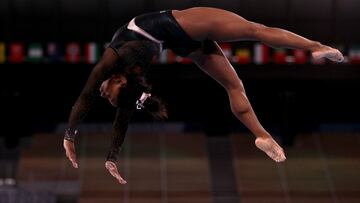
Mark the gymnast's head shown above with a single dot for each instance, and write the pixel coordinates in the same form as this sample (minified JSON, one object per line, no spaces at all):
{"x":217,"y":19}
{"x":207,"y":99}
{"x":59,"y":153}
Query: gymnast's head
{"x":127,"y":87}
{"x":132,"y":93}
{"x":110,"y":88}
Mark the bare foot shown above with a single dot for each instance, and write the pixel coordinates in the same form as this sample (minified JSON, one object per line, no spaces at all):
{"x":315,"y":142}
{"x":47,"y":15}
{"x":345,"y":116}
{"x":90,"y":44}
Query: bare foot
{"x":327,"y":52}
{"x":271,"y":148}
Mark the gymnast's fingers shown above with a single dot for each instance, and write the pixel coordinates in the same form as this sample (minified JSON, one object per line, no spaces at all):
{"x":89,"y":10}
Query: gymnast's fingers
{"x":70,"y":153}
{"x":111,"y":167}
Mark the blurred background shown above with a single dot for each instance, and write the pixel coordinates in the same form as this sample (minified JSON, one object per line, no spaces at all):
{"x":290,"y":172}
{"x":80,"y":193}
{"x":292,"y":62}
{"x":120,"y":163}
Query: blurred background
{"x":202,"y":153}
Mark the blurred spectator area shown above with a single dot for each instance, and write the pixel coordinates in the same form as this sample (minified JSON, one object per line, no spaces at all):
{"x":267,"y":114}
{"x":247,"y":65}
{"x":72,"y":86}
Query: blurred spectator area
{"x":174,"y":167}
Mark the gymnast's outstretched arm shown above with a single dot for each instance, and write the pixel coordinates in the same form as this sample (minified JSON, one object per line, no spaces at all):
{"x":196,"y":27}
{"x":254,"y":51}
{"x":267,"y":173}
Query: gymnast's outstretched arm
{"x":120,"y":127}
{"x":101,"y":71}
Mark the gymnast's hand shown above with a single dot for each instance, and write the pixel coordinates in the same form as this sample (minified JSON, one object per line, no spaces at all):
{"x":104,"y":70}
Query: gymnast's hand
{"x":111,"y":167}
{"x":70,"y":152}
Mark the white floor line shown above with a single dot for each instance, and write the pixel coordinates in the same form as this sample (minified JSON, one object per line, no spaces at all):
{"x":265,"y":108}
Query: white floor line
{"x":127,"y":152}
{"x":325,"y":165}
{"x":82,"y":164}
{"x":284,"y":182}
{"x":163,"y":169}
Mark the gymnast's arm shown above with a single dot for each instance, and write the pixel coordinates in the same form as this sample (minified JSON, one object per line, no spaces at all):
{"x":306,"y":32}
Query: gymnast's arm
{"x":120,"y":127}
{"x":103,"y":70}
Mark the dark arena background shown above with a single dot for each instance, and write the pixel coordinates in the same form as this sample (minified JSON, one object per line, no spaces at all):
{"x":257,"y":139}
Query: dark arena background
{"x":202,"y":153}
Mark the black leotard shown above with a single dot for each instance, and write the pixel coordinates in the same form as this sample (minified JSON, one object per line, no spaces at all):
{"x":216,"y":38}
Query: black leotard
{"x":161,"y":25}
{"x":130,"y":47}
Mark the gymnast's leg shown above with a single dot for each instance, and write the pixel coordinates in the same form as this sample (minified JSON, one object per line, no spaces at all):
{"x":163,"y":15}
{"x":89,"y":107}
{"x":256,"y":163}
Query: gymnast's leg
{"x":228,"y":26}
{"x":212,"y":60}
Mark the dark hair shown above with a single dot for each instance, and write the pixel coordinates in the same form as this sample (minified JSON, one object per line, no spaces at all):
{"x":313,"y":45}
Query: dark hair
{"x":130,"y":94}
{"x":137,"y":57}
{"x":156,"y":107}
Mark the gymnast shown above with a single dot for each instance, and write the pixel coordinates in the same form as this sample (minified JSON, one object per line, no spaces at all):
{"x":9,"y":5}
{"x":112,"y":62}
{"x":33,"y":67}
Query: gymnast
{"x":194,"y":33}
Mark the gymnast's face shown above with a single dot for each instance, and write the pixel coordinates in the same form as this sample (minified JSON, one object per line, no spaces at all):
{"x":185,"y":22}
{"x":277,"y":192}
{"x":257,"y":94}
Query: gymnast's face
{"x":110,"y":88}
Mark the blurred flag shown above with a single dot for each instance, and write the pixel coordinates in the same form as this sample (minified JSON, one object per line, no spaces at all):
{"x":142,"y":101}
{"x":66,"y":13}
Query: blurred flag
{"x":92,"y":53}
{"x":167,"y":57}
{"x":261,"y":53}
{"x":354,"y":54}
{"x":290,"y":59}
{"x":35,"y":53}
{"x":300,"y":56}
{"x":53,"y":52}
{"x":16,"y":52}
{"x":226,"y":48}
{"x":242,"y":56}
{"x":163,"y":57}
{"x":183,"y":60}
{"x":72,"y":53}
{"x":2,"y":53}
{"x":171,"y":56}
{"x":280,"y":56}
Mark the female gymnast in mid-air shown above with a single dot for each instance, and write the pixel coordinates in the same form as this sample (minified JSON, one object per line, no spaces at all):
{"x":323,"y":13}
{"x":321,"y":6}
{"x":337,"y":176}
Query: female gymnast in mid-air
{"x":194,"y":33}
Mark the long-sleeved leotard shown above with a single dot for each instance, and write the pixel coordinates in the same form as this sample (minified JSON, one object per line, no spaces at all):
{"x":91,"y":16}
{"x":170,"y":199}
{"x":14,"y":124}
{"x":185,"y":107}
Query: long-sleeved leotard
{"x":103,"y":70}
{"x":120,"y":127}
{"x":129,"y":49}
{"x":110,"y":64}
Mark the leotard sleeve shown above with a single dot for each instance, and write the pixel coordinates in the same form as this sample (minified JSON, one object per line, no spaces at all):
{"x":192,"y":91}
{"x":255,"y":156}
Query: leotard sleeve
{"x":103,"y":70}
{"x":120,"y":127}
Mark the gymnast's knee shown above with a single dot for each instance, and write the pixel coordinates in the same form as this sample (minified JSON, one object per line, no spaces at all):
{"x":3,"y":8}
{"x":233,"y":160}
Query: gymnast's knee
{"x":234,"y":86}
{"x":240,"y":106}
{"x":238,"y":99}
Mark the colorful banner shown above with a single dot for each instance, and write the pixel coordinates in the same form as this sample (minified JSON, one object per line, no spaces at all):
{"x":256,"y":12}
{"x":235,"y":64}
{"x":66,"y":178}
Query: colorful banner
{"x":92,"y":53}
{"x":163,"y":57}
{"x":35,"y":53}
{"x":300,"y":56}
{"x":16,"y":53}
{"x":166,"y":57}
{"x":183,"y":60}
{"x":242,"y":56}
{"x":280,"y":56}
{"x":261,"y":54}
{"x":73,"y":53}
{"x":2,"y":53}
{"x":53,"y":54}
{"x":226,"y":48}
{"x":354,"y":54}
